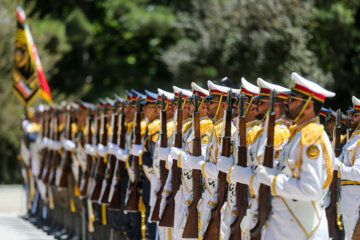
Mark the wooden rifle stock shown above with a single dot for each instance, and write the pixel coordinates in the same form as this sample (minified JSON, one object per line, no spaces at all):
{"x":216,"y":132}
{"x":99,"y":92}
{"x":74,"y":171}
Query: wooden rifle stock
{"x":115,"y":202}
{"x":241,"y":189}
{"x":133,"y":199}
{"x":57,"y":157}
{"x":331,"y":209}
{"x":66,"y":165}
{"x":51,"y":153}
{"x":45,"y":133}
{"x":104,"y":197}
{"x":100,"y":167}
{"x":192,"y":221}
{"x":264,"y":205}
{"x":163,"y":171}
{"x":89,"y":159}
{"x":167,"y":218}
{"x":213,"y":229}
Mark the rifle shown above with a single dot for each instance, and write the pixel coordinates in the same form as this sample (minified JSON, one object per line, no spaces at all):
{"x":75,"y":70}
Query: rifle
{"x":89,"y":159}
{"x":133,"y":197}
{"x":66,"y":163}
{"x":241,"y":189}
{"x":264,"y":191}
{"x":57,"y":157}
{"x":100,"y":166}
{"x":331,"y":209}
{"x":167,"y":218}
{"x":163,"y":172}
{"x":192,"y":221}
{"x":213,"y":229}
{"x":45,"y":133}
{"x":115,"y":202}
{"x":47,"y":165}
{"x":104,"y":196}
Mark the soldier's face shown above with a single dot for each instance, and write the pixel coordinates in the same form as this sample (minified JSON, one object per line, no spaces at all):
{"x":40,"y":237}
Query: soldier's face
{"x":293,"y":106}
{"x":189,"y":109}
{"x":261,"y":107}
{"x":236,"y":108}
{"x":211,"y":106}
{"x":132,"y":110}
{"x":329,"y":125}
{"x":355,"y":119}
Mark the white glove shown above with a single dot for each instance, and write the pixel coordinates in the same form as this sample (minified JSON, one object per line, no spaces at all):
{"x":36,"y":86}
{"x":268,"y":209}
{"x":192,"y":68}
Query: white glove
{"x":55,"y":145}
{"x":336,"y":164}
{"x":175,"y":152}
{"x":241,"y":174}
{"x":122,"y":154}
{"x":136,"y":150}
{"x":102,"y":150}
{"x":224,"y":163}
{"x":68,"y":145}
{"x":163,"y":152}
{"x":265,"y":174}
{"x":113,"y":148}
{"x":90,"y":149}
{"x":44,"y":142}
{"x":195,"y":162}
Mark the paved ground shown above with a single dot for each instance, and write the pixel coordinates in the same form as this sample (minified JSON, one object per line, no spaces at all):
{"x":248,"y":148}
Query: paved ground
{"x":12,"y":206}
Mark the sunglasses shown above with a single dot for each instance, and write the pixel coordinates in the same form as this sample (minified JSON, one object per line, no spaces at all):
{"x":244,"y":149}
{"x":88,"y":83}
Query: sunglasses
{"x":209,"y":101}
{"x":294,"y":97}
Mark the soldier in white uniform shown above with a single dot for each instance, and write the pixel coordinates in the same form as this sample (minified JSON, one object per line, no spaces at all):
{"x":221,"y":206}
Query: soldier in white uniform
{"x":300,"y":181}
{"x":183,"y":154}
{"x":176,"y":232}
{"x":348,"y":167}
{"x":256,"y":139}
{"x":216,"y":105}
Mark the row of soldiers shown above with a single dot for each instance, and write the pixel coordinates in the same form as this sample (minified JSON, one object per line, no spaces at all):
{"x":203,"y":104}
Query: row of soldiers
{"x":215,"y":163}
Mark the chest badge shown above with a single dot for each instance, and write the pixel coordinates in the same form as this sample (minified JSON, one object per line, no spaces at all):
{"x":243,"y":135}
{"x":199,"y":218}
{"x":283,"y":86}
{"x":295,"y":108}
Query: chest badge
{"x":312,"y":152}
{"x":205,"y":138}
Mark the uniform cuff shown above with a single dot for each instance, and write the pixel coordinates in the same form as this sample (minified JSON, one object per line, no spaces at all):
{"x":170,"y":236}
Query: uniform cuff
{"x":339,"y":170}
{"x":273,"y":186}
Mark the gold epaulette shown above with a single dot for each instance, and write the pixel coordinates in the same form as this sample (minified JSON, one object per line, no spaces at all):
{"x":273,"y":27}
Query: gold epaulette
{"x":109,"y":130}
{"x":342,"y":137}
{"x":170,"y":127}
{"x":61,"y":127}
{"x":281,"y":134}
{"x":129,"y":126}
{"x":154,"y":127}
{"x":86,"y":131}
{"x":218,"y":129}
{"x":253,"y":134}
{"x":34,"y":127}
{"x":311,"y":134}
{"x":186,"y":125}
{"x":143,"y":125}
{"x":206,"y":126}
{"x":74,"y":128}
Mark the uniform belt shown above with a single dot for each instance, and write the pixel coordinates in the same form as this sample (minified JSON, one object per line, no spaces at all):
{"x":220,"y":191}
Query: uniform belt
{"x":348,"y":182}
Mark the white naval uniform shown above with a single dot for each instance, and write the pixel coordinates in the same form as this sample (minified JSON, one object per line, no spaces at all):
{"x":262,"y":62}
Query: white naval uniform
{"x":206,"y":126}
{"x":300,"y":186}
{"x":170,"y":233}
{"x":349,"y":173}
{"x":210,"y":174}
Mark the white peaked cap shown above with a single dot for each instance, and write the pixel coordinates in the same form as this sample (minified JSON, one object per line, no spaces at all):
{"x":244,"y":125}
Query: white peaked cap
{"x":267,"y":87}
{"x":215,"y":89}
{"x":248,"y":88}
{"x":199,"y":90}
{"x":309,"y":88}
{"x":185,"y":93}
{"x":168,"y":96}
{"x":356,"y":103}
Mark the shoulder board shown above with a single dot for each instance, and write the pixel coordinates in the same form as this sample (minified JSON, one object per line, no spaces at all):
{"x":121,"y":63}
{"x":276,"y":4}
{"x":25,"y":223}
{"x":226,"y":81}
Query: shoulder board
{"x":281,"y":134}
{"x":143,"y":127}
{"x":233,"y":129}
{"x":34,"y":127}
{"x":129,"y":126}
{"x":342,"y":137}
{"x":74,"y":128}
{"x":311,"y":133}
{"x":217,"y":129}
{"x":253,"y":134}
{"x":61,"y":127}
{"x":186,"y":126}
{"x":206,"y":126}
{"x":154,"y":126}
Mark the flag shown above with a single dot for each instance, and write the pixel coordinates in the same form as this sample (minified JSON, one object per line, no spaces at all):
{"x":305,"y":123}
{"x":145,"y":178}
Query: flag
{"x":29,"y":78}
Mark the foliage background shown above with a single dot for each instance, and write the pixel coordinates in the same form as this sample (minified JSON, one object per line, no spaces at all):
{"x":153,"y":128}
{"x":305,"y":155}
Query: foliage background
{"x":91,"y":49}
